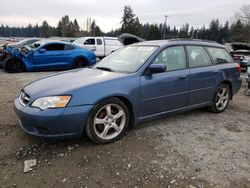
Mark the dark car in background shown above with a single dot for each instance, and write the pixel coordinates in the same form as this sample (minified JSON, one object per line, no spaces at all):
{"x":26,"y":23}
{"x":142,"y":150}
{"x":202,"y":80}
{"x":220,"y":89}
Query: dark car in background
{"x":45,"y":55}
{"x":241,"y":53}
{"x":132,"y":85}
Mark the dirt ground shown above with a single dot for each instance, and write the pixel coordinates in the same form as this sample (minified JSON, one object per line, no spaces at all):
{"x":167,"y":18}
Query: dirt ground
{"x":192,"y":149}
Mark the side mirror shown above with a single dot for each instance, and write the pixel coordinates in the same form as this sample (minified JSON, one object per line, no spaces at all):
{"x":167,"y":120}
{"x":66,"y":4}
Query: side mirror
{"x":42,"y":51}
{"x":157,"y":68}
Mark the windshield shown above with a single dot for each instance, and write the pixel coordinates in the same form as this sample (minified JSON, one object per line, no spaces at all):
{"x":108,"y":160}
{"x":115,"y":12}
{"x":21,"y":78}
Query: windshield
{"x":79,"y":40}
{"x":22,"y":41}
{"x":128,"y":59}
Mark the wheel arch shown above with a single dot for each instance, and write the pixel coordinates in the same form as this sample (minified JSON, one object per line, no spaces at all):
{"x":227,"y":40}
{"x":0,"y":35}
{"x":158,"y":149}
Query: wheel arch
{"x":84,"y":58}
{"x":16,"y":59}
{"x":227,"y":82}
{"x":127,"y":102}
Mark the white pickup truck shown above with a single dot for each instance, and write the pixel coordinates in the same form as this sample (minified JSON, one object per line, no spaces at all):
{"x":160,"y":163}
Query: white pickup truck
{"x":102,"y":46}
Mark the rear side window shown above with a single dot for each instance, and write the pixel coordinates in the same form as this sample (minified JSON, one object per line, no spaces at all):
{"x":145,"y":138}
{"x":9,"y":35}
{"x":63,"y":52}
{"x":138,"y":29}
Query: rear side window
{"x":54,"y":47}
{"x":173,"y":58}
{"x":90,"y":41}
{"x":69,"y":47}
{"x":99,"y":41}
{"x":198,"y":57}
{"x":219,"y":55}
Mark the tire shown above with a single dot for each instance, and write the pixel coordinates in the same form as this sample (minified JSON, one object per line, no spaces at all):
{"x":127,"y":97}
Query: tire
{"x":80,"y":62}
{"x":107,"y":121}
{"x":221,"y":99}
{"x":13,"y":65}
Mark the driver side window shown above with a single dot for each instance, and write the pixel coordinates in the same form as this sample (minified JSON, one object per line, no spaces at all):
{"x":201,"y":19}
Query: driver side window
{"x":173,"y":57}
{"x":90,"y":41}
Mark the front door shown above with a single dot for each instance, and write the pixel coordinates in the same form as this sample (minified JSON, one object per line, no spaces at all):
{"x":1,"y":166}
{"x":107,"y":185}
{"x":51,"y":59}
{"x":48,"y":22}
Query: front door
{"x":50,"y":55}
{"x":167,"y":91}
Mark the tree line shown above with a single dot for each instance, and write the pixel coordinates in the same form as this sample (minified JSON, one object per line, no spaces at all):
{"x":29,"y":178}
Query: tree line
{"x":238,"y":31}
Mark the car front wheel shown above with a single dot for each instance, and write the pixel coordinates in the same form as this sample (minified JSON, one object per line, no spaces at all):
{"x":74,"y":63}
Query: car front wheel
{"x":108,"y":121}
{"x":221,"y":99}
{"x":13,"y":65}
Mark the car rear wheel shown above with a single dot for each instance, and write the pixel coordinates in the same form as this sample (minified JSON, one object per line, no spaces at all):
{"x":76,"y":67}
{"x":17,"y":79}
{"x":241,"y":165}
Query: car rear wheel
{"x":220,"y":99}
{"x":108,"y":121}
{"x":13,"y":65}
{"x":80,"y":62}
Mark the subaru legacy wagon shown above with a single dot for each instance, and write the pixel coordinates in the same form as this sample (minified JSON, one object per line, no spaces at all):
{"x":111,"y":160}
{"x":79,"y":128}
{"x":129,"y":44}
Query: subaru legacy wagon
{"x":134,"y":84}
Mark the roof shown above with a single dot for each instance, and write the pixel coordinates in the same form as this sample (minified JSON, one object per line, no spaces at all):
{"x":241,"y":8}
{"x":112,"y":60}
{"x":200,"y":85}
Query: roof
{"x":48,"y":41}
{"x":180,"y":42}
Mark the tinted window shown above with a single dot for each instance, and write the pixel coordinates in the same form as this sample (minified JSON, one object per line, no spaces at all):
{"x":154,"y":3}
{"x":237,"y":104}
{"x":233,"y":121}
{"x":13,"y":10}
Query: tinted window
{"x":219,"y":55}
{"x":54,"y":47}
{"x":90,"y":41}
{"x":173,"y":58}
{"x":69,"y":47}
{"x":99,"y":41}
{"x":198,"y":57}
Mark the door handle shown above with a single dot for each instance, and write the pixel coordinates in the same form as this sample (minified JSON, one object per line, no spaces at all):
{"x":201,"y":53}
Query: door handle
{"x":183,"y":76}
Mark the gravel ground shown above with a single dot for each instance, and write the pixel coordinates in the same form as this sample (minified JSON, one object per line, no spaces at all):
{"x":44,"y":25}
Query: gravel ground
{"x":192,"y":149}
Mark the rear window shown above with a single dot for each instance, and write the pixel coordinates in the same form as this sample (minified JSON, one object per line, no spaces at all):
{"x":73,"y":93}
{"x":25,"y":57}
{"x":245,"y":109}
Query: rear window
{"x":219,"y":55}
{"x":69,"y":47}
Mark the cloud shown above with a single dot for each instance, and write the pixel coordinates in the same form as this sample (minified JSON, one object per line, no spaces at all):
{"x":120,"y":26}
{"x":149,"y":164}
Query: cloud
{"x":108,"y":13}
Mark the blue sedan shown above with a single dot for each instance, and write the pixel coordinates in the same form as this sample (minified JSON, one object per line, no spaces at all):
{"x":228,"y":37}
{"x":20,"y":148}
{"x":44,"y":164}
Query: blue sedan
{"x":132,"y":85}
{"x":44,"y":55}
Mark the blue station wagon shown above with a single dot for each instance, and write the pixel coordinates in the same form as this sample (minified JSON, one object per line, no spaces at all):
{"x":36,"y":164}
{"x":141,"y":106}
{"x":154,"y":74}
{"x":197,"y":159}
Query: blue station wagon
{"x":132,"y":85}
{"x":45,"y":55}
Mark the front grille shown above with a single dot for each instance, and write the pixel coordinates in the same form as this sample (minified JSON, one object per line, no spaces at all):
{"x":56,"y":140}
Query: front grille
{"x":24,"y":98}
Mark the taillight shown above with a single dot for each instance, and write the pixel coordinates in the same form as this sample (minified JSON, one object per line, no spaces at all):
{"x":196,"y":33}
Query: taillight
{"x":238,"y":68}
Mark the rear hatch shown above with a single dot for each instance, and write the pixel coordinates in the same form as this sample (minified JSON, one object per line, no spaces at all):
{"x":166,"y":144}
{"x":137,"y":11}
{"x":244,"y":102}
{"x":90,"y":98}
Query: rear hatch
{"x":127,"y":39}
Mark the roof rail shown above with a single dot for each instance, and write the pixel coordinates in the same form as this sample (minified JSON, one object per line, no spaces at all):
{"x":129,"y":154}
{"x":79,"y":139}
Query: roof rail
{"x":189,"y":39}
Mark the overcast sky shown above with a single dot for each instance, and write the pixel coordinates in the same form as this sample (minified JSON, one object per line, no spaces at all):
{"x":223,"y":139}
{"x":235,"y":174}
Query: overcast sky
{"x":108,"y":13}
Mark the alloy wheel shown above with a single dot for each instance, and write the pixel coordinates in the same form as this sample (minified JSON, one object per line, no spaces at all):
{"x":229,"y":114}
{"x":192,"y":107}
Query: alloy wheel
{"x":109,"y":121}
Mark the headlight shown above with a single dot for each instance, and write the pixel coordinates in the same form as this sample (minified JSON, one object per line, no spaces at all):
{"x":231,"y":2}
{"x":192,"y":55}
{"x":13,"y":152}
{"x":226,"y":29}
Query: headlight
{"x":51,"y":102}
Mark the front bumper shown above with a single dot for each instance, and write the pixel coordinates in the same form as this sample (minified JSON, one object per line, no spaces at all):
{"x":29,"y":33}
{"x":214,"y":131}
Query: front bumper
{"x":66,"y":122}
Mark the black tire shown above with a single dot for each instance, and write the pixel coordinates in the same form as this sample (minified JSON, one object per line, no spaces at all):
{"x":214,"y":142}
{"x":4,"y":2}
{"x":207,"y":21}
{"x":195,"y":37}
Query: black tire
{"x":96,"y":131}
{"x":80,"y":62}
{"x":13,"y":65}
{"x":216,"y":105}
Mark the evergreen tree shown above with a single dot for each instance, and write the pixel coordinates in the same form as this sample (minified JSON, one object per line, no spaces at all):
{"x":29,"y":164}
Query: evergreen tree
{"x":130,"y":23}
{"x":45,"y":30}
{"x":238,"y":32}
{"x":154,"y":32}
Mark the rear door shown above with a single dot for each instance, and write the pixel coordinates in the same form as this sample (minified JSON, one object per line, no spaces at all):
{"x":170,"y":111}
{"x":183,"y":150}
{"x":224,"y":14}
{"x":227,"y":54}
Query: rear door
{"x":50,"y":55}
{"x":167,"y":91}
{"x":202,"y":76}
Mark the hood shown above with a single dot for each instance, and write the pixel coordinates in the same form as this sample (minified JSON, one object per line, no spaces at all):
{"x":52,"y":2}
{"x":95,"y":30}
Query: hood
{"x":127,"y":39}
{"x":66,"y":82}
{"x":240,"y":46}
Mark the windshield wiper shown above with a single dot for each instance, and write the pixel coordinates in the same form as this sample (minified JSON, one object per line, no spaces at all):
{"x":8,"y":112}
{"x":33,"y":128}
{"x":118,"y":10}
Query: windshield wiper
{"x":105,"y":69}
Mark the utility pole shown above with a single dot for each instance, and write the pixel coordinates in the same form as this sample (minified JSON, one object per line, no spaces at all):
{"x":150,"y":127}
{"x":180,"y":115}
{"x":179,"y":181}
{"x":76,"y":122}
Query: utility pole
{"x":165,"y":25}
